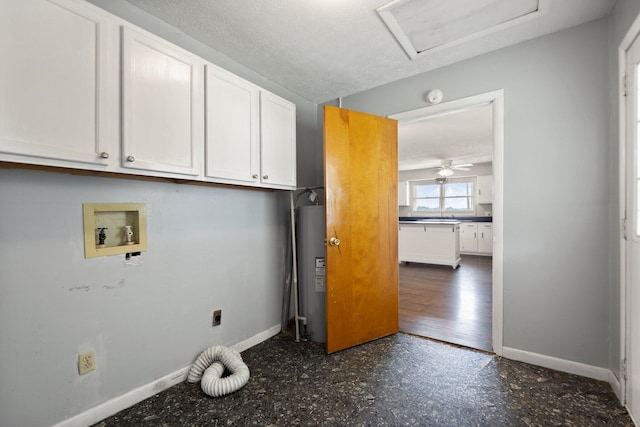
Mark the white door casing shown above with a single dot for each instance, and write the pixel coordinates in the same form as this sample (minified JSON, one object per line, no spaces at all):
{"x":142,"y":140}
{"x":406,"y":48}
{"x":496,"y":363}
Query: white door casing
{"x":630,"y":209}
{"x":496,"y":99}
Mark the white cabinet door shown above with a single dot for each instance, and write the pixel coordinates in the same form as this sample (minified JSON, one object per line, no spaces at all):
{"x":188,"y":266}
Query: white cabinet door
{"x":468,"y":237}
{"x":162,"y":106}
{"x":277,"y":141}
{"x":484,"y":193}
{"x":430,"y":244}
{"x":485,"y":238}
{"x":58,"y":84}
{"x":403,"y":193}
{"x":232,"y":127}
{"x":410,"y":241}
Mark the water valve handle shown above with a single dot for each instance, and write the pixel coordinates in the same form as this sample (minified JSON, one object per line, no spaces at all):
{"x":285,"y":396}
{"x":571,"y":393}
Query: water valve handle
{"x":128,"y":234}
{"x":102,"y":236}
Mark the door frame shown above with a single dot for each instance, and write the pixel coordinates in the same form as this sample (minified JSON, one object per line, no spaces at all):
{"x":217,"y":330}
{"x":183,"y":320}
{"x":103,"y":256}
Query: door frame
{"x":495,"y":98}
{"x":625,"y":45}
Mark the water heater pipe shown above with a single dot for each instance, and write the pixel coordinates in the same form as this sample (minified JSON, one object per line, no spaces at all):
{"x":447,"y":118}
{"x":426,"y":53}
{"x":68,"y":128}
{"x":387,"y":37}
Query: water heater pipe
{"x":294,"y":268}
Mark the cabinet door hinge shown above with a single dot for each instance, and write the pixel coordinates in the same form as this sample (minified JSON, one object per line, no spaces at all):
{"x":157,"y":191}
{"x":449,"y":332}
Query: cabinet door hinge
{"x":623,"y":369}
{"x":624,"y":86}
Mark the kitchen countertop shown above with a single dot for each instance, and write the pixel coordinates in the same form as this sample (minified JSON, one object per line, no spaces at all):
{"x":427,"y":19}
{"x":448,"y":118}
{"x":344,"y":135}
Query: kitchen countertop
{"x":404,"y":219}
{"x":432,"y":221}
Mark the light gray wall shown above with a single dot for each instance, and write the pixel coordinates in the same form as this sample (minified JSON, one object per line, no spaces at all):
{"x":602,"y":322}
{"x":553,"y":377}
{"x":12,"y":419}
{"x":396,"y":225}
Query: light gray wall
{"x":212,"y":247}
{"x":622,"y":16}
{"x":209,"y":247}
{"x":557,"y":181}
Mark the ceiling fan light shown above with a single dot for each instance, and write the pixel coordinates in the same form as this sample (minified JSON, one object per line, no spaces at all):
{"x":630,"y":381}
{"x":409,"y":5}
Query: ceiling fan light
{"x":445,"y":172}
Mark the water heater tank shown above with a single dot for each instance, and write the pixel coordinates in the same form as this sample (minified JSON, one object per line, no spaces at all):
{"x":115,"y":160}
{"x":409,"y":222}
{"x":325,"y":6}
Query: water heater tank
{"x":311,"y":270}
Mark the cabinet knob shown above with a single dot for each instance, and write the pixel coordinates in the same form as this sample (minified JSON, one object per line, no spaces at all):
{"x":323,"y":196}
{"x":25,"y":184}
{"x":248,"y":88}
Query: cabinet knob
{"x":265,"y":176}
{"x":104,"y":155}
{"x":254,"y":176}
{"x":131,"y":159}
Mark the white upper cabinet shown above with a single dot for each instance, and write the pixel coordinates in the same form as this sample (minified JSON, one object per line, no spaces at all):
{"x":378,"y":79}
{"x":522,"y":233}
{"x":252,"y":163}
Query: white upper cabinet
{"x":83,"y":89}
{"x":250,"y":133}
{"x":59,"y":84}
{"x":403,"y":193}
{"x":484,"y":195}
{"x":162,"y":105}
{"x":232,"y":127}
{"x":277,"y":141}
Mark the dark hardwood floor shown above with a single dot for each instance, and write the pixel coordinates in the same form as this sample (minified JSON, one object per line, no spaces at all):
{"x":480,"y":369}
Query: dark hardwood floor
{"x":446,"y":304}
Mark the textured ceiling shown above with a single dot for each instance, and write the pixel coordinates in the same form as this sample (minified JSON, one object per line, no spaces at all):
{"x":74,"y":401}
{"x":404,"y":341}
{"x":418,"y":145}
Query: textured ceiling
{"x":326,"y":49}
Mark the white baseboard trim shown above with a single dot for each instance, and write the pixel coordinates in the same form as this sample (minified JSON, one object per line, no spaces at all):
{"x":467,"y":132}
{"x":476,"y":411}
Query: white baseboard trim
{"x":616,"y":386}
{"x":562,"y":365}
{"x":115,"y":405}
{"x":257,"y":339}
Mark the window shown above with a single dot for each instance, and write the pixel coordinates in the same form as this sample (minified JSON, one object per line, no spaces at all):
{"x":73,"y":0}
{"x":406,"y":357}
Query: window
{"x":434,"y":198}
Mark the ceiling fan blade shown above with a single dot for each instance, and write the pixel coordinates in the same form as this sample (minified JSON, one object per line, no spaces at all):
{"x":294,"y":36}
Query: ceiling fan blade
{"x":465,"y":165}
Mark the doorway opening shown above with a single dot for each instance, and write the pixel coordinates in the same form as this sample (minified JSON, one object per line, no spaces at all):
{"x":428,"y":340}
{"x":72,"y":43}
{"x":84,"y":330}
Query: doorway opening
{"x":460,"y":305}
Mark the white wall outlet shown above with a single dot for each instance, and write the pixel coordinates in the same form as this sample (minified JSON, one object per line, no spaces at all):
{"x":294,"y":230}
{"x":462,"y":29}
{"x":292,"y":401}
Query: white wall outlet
{"x":86,"y":362}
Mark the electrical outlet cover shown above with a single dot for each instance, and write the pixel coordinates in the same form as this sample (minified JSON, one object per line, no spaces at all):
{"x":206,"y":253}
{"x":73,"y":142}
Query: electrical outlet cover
{"x":86,"y":362}
{"x":217,"y":318}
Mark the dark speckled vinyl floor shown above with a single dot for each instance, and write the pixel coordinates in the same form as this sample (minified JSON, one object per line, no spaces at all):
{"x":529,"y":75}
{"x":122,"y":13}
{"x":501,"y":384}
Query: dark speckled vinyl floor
{"x":400,"y":380}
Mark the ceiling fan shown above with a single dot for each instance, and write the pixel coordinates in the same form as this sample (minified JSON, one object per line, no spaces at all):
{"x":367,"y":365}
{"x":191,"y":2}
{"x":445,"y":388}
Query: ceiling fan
{"x":447,"y":169}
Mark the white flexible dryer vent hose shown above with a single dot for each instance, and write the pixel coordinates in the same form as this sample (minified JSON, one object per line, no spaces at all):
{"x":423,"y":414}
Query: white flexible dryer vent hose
{"x":210,"y":366}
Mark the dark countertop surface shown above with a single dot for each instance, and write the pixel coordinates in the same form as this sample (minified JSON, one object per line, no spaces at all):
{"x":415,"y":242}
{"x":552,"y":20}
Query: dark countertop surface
{"x":432,"y":221}
{"x":456,"y":218}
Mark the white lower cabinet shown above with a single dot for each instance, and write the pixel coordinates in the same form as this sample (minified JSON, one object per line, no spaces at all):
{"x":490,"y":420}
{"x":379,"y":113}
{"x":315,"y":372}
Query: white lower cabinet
{"x":430,"y":243}
{"x":485,"y":238}
{"x":468,"y":237}
{"x":476,"y":238}
{"x":59,"y":86}
{"x":162,"y":106}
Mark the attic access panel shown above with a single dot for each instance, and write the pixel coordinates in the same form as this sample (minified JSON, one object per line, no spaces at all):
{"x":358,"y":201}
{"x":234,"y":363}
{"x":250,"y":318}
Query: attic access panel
{"x":422,"y":26}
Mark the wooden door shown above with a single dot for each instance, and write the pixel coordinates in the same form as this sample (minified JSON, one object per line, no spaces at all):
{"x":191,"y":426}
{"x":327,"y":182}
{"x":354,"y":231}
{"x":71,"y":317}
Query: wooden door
{"x":361,"y":188}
